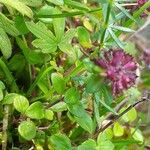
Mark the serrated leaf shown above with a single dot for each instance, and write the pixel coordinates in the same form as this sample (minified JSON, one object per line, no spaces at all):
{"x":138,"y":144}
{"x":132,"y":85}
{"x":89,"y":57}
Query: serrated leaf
{"x":47,"y":42}
{"x":19,"y":6}
{"x":27,"y":130}
{"x":59,"y":25}
{"x":8,"y":25}
{"x":58,"y":82}
{"x":118,"y":130}
{"x":35,"y":111}
{"x":5,"y":44}
{"x":20,"y":103}
{"x":60,"y":142}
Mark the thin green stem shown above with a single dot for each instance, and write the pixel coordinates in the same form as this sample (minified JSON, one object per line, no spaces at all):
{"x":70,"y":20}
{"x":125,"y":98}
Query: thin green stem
{"x":66,"y":14}
{"x":10,"y":78}
{"x":135,"y":15}
{"x":41,"y":74}
{"x":105,"y":26}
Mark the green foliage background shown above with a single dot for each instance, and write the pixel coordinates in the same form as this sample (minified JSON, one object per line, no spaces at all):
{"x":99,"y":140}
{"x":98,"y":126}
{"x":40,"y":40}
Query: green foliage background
{"x":52,"y":96}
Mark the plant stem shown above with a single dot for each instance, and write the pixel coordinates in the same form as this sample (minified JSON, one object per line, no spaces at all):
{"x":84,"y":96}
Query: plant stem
{"x":66,"y":14}
{"x":116,"y":117}
{"x":10,"y":78}
{"x":105,"y":26}
{"x":5,"y":127}
{"x":135,"y":15}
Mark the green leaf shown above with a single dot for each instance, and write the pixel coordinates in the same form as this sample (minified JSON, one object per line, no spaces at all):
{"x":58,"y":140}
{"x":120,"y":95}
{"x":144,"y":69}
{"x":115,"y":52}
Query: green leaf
{"x":35,"y":111}
{"x":40,"y":75}
{"x":64,"y":44}
{"x":124,"y":29}
{"x":20,"y":25}
{"x":130,"y":48}
{"x":60,"y":142}
{"x":137,"y":135}
{"x":27,"y":130}
{"x":56,"y":2}
{"x":98,"y":99}
{"x":8,"y":25}
{"x":33,"y":3}
{"x":5,"y":44}
{"x":88,"y":145}
{"x":118,"y":129}
{"x":47,"y":42}
{"x":17,"y":63}
{"x":58,"y":82}
{"x":2,"y":87}
{"x":19,"y":6}
{"x":1,"y":95}
{"x":93,"y":84}
{"x":132,"y":114}
{"x":125,"y":11}
{"x":104,"y":143}
{"x":20,"y":103}
{"x":84,"y":37}
{"x":49,"y":114}
{"x":118,"y":42}
{"x":59,"y":107}
{"x":59,"y":26}
{"x":9,"y":98}
{"x":72,"y":98}
{"x":77,"y":5}
{"x":32,"y":56}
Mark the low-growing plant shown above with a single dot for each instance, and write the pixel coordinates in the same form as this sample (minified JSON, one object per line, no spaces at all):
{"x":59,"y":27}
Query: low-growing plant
{"x":72,"y":77}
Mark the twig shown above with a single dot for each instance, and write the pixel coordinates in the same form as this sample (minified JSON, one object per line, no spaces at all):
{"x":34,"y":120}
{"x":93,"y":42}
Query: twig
{"x":116,"y":117}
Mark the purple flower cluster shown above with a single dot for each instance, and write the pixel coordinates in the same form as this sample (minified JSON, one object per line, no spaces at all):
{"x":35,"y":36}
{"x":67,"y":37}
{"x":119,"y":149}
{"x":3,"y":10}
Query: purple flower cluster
{"x":120,"y":69}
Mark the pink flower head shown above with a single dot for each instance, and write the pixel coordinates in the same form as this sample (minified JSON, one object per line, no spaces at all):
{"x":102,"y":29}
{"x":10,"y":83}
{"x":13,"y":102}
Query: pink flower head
{"x":120,"y":69}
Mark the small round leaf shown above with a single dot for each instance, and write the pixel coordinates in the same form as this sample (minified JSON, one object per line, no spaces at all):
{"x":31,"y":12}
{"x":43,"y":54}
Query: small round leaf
{"x":27,"y":130}
{"x":35,"y":111}
{"x":20,"y":103}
